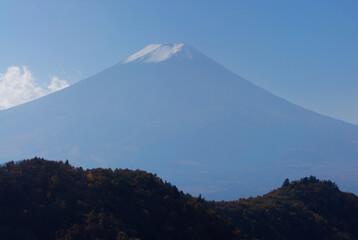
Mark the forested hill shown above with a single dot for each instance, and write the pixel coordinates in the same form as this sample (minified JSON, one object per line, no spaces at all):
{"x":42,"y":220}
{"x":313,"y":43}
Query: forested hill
{"x":305,"y":209}
{"x":52,"y":200}
{"x":42,"y":199}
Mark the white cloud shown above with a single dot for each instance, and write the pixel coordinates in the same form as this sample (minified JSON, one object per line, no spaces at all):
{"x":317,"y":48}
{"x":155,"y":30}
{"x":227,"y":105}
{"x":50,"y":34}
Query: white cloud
{"x":18,"y":86}
{"x":57,"y":84}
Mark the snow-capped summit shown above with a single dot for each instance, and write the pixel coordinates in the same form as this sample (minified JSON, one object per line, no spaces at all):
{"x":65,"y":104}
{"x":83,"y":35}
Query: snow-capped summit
{"x":173,"y":111}
{"x":154,"y":53}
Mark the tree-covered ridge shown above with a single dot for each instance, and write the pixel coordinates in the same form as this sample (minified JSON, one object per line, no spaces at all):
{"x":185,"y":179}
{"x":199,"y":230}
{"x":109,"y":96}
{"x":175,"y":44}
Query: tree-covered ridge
{"x":304,"y":209}
{"x":52,"y":200}
{"x":42,"y":199}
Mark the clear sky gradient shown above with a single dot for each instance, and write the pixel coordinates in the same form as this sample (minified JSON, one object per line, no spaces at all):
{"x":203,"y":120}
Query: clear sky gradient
{"x":303,"y":51}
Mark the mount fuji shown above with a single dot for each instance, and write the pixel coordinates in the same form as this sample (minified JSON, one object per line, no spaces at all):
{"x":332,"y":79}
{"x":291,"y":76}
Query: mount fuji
{"x":171,"y":110}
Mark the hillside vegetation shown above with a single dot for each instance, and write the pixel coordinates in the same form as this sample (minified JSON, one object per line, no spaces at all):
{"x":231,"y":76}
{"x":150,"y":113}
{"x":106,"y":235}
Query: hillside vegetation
{"x":305,"y":209}
{"x":42,"y":199}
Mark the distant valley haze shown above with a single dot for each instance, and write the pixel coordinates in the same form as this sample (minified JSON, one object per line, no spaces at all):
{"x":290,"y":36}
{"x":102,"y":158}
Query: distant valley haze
{"x":171,"y":110}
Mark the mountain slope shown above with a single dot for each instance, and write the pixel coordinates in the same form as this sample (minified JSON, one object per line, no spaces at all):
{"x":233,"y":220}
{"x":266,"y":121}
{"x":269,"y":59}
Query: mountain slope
{"x":171,"y":110}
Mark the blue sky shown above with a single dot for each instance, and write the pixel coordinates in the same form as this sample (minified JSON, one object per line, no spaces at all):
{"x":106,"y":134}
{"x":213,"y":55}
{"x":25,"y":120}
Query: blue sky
{"x":303,"y":51}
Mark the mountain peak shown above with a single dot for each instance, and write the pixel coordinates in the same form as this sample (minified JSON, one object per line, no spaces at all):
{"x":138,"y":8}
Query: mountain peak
{"x":154,"y":53}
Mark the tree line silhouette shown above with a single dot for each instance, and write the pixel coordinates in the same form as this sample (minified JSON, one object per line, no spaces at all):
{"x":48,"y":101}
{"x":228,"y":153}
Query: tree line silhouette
{"x":42,"y":199}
